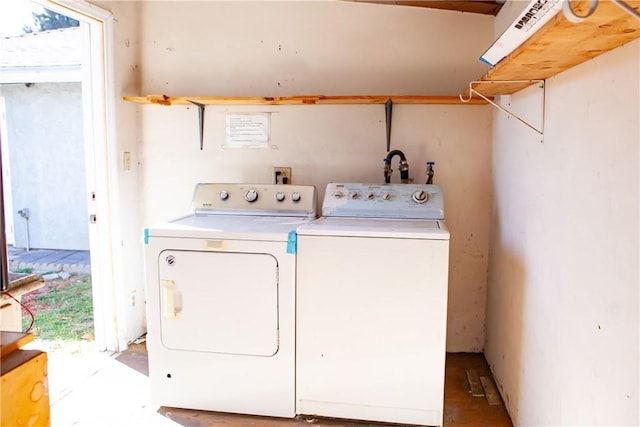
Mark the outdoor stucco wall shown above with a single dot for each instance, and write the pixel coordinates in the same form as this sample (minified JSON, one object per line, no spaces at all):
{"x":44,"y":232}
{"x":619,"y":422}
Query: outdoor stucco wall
{"x":44,"y":124}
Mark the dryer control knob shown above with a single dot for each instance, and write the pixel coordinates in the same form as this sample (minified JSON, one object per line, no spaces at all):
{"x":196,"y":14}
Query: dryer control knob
{"x":295,"y":196}
{"x":355,"y":195}
{"x":338,"y":194}
{"x":251,"y":196}
{"x":420,"y":196}
{"x":386,"y":196}
{"x":371,"y":196}
{"x":279,"y":196}
{"x":223,"y":195}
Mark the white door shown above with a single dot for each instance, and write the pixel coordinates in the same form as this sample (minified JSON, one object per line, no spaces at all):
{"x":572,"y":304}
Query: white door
{"x":6,"y":176}
{"x":219,"y":302}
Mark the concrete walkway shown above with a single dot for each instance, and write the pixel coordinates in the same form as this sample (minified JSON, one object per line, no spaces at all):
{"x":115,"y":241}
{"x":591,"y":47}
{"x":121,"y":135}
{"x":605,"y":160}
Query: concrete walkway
{"x":48,"y":260}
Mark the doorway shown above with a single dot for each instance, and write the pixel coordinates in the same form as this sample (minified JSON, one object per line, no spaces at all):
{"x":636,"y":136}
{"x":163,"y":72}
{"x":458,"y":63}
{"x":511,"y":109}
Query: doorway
{"x":98,"y":99}
{"x":97,"y":111}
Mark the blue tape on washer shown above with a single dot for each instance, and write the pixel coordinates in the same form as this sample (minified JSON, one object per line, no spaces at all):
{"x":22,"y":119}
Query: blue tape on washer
{"x":292,"y":242}
{"x":146,"y":236}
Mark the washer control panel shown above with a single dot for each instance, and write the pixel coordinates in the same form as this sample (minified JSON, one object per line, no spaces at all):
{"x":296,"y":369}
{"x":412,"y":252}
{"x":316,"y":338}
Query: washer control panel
{"x":419,"y":201}
{"x":255,"y":199}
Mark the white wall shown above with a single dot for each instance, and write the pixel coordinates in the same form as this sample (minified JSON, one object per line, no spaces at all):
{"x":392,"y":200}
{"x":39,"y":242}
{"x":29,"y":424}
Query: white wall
{"x":130,"y":286}
{"x":275,"y":48}
{"x":333,"y":48}
{"x":562,"y":314}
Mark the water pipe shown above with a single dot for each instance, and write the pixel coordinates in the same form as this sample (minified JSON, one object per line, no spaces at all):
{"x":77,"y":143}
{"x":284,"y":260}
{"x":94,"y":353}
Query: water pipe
{"x":403,"y":167}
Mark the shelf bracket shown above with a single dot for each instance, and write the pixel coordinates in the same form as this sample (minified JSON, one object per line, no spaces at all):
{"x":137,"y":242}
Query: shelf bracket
{"x":200,"y":120}
{"x":473,"y":91}
{"x":388,"y":106}
{"x":593,"y":4}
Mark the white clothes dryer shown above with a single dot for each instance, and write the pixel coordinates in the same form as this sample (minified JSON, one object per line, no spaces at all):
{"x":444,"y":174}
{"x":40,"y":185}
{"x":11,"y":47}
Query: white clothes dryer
{"x":372,"y":305}
{"x":220,"y":288}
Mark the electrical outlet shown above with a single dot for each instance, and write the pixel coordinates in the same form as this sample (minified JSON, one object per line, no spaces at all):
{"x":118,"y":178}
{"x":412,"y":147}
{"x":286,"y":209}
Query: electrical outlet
{"x":127,"y":161}
{"x":281,"y":175}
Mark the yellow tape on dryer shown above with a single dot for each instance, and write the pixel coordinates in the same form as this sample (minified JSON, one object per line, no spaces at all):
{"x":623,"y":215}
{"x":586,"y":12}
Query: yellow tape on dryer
{"x":214,"y":245}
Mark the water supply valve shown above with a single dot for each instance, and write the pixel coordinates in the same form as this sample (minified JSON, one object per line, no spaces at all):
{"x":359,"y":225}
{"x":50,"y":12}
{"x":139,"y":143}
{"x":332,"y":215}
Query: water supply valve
{"x":387,"y":171}
{"x":404,"y":171}
{"x":430,"y":172}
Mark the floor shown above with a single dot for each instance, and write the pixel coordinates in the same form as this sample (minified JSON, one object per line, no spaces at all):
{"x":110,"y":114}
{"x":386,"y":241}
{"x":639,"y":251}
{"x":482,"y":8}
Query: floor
{"x":89,"y":388}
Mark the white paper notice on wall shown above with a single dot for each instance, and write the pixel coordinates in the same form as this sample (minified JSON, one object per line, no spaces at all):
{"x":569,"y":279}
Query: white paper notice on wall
{"x":247,"y":130}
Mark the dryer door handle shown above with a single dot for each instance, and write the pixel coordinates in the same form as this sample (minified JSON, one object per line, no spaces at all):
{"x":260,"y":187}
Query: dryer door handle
{"x":168,"y":298}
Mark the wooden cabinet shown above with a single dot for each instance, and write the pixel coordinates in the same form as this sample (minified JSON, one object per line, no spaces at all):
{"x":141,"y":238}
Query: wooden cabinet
{"x":24,"y":388}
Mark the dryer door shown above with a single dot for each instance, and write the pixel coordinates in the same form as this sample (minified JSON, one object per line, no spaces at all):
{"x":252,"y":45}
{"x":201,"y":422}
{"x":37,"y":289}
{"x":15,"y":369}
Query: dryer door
{"x":219,"y":302}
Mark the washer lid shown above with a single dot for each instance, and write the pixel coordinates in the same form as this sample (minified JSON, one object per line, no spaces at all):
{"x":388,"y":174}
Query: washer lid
{"x":376,"y":227}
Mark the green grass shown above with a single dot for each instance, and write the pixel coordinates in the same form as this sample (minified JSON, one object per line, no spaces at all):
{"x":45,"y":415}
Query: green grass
{"x":64,"y":312}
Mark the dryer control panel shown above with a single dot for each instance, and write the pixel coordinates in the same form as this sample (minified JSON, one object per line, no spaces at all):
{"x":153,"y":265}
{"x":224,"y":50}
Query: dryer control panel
{"x":255,"y":199}
{"x":417,"y":201}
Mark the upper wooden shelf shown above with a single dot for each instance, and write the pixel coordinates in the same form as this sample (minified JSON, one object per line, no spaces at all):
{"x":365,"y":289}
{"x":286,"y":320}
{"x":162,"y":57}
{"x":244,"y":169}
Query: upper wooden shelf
{"x":297,"y":100}
{"x":560,"y":45}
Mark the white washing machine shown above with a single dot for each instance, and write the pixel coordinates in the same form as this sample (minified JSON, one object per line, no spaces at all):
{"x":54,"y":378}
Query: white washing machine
{"x":220,"y":300}
{"x":372,"y":305}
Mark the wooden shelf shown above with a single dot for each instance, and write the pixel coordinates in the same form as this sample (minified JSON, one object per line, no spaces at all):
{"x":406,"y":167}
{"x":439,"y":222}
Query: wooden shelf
{"x":297,"y":100}
{"x":561,"y":45}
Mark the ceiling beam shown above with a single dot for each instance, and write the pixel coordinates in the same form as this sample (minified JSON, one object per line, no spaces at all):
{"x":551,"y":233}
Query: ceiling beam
{"x":484,"y":7}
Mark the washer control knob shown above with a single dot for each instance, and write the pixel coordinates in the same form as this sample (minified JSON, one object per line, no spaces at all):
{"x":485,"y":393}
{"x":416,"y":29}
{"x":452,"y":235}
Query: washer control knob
{"x":223,"y":195}
{"x":355,"y":195}
{"x":386,"y":196}
{"x":295,"y":196}
{"x":279,"y":196}
{"x":251,"y":196}
{"x":338,"y":194}
{"x":420,"y":196}
{"x":371,"y":196}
